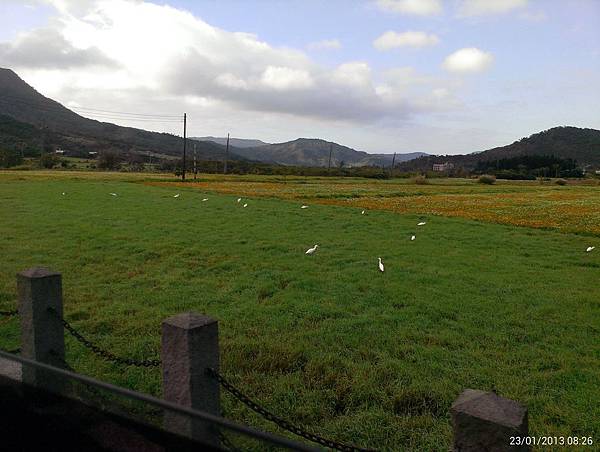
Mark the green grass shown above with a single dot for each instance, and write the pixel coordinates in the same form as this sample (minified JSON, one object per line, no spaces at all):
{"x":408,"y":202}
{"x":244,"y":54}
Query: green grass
{"x":326,"y":340}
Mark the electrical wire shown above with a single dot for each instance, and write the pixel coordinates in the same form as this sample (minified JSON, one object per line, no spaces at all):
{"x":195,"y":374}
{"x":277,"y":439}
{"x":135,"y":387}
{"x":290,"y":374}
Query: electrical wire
{"x":55,"y":107}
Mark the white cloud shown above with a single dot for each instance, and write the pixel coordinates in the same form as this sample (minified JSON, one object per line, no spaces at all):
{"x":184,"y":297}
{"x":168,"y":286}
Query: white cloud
{"x":485,"y":7}
{"x":425,"y":93}
{"x":228,"y":80}
{"x":416,"y":7}
{"x":355,"y":73}
{"x":391,"y":40}
{"x":468,"y":60}
{"x":165,"y":59}
{"x":48,"y":48}
{"x":285,"y":78}
{"x":75,"y":7}
{"x":326,"y":44}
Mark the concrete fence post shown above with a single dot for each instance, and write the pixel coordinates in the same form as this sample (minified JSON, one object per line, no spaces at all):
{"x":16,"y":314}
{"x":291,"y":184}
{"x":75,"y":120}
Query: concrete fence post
{"x":42,"y":334}
{"x":190,"y":345}
{"x":485,"y":422}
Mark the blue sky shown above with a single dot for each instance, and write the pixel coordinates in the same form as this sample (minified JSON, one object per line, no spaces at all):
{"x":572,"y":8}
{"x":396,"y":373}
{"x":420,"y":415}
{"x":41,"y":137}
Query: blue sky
{"x":450,"y":76}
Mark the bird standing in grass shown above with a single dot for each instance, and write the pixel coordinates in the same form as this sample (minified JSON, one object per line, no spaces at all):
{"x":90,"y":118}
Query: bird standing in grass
{"x":381,"y":267}
{"x":63,"y":193}
{"x":413,"y":237}
{"x":113,"y":194}
{"x":246,"y":205}
{"x":363,"y":212}
{"x":422,"y":223}
{"x":589,"y":248}
{"x":205,"y":199}
{"x":239,"y":199}
{"x":312,"y":250}
{"x":304,"y":207}
{"x":176,"y":196}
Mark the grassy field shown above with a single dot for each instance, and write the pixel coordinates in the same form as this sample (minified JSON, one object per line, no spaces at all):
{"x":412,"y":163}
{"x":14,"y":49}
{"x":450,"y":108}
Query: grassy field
{"x":326,"y":340}
{"x":572,"y":208}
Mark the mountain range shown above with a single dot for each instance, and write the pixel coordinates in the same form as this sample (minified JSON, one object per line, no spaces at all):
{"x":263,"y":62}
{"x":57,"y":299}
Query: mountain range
{"x":565,"y":142}
{"x":31,"y":121}
{"x":47,"y":122}
{"x":61,"y":127}
{"x":235,"y":142}
{"x":310,"y":152}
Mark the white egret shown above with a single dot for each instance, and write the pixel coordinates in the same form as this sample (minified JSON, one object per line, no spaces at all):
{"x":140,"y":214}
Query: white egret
{"x":113,"y":194}
{"x":239,"y":199}
{"x":363,"y":212}
{"x":63,"y":193}
{"x":413,"y":237}
{"x":312,"y":250}
{"x":381,"y":267}
{"x":176,"y":196}
{"x":422,"y":223}
{"x":589,"y":248}
{"x":205,"y":199}
{"x":246,"y":205}
{"x":304,"y":207}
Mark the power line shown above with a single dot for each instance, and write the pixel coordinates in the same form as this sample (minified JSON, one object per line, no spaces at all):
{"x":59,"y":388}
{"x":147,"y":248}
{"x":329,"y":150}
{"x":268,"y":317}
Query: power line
{"x":55,"y":109}
{"x":49,"y":104}
{"x":101,"y":118}
{"x":127,"y":113}
{"x":118,"y":118}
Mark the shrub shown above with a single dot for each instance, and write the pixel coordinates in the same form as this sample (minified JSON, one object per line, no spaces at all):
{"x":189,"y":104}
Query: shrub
{"x":108,"y":160}
{"x":561,"y":182}
{"x":378,"y":176}
{"x":48,"y":160}
{"x":513,"y":175}
{"x":420,"y":180}
{"x":9,"y":158}
{"x":487,"y":179}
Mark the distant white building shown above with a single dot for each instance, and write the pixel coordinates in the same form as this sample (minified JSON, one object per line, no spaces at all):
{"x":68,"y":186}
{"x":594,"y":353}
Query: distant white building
{"x":443,"y":166}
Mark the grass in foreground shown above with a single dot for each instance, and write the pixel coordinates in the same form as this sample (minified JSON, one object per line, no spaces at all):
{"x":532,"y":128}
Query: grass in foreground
{"x":324,"y":340}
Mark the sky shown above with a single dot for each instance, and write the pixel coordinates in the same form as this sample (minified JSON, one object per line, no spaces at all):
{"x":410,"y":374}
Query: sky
{"x":437,"y":76}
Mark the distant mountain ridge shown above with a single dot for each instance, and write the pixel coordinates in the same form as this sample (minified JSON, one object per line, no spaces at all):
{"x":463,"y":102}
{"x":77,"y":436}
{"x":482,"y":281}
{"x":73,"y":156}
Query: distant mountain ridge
{"x":311,"y":152}
{"x":27,"y":118}
{"x":235,"y":142}
{"x":61,"y":126}
{"x":565,"y":142}
{"x":57,"y":126}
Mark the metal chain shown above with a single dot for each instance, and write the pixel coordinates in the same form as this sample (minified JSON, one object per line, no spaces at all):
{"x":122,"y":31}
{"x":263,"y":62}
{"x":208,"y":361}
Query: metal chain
{"x":104,"y":353}
{"x":108,"y":404}
{"x":280,"y":422}
{"x":9,"y":313}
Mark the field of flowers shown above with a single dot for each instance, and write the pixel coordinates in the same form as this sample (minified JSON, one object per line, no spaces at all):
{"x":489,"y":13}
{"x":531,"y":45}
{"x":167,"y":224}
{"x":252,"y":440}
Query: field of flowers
{"x":571,"y":208}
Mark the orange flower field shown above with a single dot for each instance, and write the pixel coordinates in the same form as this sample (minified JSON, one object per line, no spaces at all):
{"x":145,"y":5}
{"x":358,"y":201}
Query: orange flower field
{"x":571,"y":208}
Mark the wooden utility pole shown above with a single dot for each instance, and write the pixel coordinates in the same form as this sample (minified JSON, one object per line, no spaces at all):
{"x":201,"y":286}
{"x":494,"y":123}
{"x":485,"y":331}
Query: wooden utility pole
{"x":393,"y":163}
{"x":226,"y":155}
{"x":184,"y":145}
{"x":195,"y":166}
{"x":330,"y":150}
